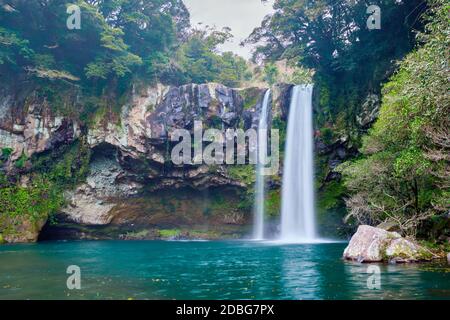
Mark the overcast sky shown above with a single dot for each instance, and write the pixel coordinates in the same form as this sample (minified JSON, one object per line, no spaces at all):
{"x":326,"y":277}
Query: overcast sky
{"x":242,"y":16}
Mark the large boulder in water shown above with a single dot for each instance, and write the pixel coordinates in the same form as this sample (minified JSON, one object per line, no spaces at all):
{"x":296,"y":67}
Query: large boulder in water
{"x":371,"y":244}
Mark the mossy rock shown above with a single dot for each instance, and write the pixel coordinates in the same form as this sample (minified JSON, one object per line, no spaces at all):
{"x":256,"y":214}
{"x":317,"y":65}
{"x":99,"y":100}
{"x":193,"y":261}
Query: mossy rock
{"x":169,"y":233}
{"x":251,"y":96}
{"x":243,"y":173}
{"x":371,"y":244}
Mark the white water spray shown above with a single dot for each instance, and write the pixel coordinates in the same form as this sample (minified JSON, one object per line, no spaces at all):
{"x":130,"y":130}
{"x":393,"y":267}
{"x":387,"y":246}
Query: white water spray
{"x":298,"y":210}
{"x":260,"y":188}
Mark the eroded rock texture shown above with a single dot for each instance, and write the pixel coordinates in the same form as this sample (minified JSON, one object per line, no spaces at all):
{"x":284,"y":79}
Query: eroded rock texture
{"x":130,"y":149}
{"x":370,"y":244}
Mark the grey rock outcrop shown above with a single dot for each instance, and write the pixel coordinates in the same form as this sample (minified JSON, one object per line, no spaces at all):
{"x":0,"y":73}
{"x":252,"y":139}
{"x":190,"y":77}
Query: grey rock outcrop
{"x":369,"y":111}
{"x":371,"y":244}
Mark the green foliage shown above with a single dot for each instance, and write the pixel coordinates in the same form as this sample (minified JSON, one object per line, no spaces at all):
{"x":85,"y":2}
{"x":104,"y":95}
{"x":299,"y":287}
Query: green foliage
{"x":32,"y":204}
{"x":116,"y":39}
{"x":200,"y":62}
{"x":331,"y":196}
{"x":271,"y":73}
{"x":404,"y":174}
{"x":411,"y":161}
{"x":13,"y":49}
{"x":20,"y":163}
{"x":250,"y":97}
{"x":42,"y":197}
{"x":281,"y":126}
{"x":137,"y":235}
{"x":35,"y":202}
{"x":331,"y":37}
{"x":65,"y":167}
{"x":301,"y":76}
{"x":169,"y":233}
{"x":243,"y":173}
{"x":327,"y":135}
{"x":6,"y":153}
{"x":273,"y":203}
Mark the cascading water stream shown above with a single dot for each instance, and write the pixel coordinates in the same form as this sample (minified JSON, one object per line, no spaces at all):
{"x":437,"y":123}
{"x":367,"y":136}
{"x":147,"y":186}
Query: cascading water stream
{"x":260,"y":188}
{"x":298,"y":210}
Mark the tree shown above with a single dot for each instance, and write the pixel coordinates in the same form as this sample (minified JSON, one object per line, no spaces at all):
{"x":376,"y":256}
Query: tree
{"x":332,"y":38}
{"x":271,"y":73}
{"x":118,"y":38}
{"x":200,"y":60}
{"x":404,"y":174}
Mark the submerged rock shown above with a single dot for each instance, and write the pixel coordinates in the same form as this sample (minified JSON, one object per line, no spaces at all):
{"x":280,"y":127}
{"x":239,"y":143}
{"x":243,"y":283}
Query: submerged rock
{"x":371,"y":244}
{"x":448,"y":258}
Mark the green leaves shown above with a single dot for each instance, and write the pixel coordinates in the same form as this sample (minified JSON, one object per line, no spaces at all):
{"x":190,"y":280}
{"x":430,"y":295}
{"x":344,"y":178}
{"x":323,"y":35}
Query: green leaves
{"x":199,"y":61}
{"x":270,"y":73}
{"x":35,"y":202}
{"x":411,"y":163}
{"x":403,"y":175}
{"x":114,"y":40}
{"x":13,"y":48}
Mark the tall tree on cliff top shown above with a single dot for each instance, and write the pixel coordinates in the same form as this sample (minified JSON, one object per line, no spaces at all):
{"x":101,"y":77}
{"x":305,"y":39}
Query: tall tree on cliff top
{"x":331,"y":36}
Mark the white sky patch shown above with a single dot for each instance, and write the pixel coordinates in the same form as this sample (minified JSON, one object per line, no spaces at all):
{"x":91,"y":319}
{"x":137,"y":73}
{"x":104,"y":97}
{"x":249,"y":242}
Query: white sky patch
{"x":242,"y":16}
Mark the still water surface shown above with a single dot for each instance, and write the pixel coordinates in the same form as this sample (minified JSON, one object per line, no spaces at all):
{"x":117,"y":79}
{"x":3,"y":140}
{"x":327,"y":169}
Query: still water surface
{"x":207,"y":270}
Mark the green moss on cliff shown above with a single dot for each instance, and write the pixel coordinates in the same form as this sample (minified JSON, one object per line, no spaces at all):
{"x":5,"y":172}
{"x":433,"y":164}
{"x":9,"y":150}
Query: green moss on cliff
{"x":281,"y":126}
{"x":273,"y":203}
{"x":243,"y":173}
{"x":25,"y":206}
{"x":331,"y":196}
{"x":250,"y":97}
{"x":169,"y":233}
{"x":22,"y":206}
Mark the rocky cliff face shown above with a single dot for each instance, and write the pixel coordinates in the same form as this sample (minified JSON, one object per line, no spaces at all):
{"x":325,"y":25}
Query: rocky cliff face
{"x":129,"y":151}
{"x":131,"y":189}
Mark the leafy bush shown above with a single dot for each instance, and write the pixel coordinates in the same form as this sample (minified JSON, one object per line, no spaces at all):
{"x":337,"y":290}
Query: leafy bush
{"x":200,"y":62}
{"x":404,"y":175}
{"x":42,"y":196}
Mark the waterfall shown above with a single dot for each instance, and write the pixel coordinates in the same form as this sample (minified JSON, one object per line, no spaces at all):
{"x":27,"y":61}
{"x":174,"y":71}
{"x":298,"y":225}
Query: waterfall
{"x":260,"y":188}
{"x":298,"y":210}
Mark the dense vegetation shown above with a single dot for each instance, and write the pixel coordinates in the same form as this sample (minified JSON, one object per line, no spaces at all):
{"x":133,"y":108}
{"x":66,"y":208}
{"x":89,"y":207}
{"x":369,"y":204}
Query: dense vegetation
{"x":403,"y":176}
{"x":115,"y":39}
{"x":118,"y":42}
{"x":332,"y":38}
{"x":402,"y":173}
{"x":200,"y":63}
{"x":35,"y":193}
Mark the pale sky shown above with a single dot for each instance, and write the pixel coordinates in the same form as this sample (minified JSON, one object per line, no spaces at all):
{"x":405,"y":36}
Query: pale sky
{"x":242,"y":16}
